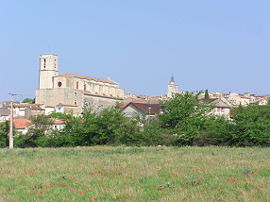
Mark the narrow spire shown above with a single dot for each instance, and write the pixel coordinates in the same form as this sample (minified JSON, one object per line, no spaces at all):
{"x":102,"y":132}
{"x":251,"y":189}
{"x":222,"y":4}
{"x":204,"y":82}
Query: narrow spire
{"x":172,"y":79}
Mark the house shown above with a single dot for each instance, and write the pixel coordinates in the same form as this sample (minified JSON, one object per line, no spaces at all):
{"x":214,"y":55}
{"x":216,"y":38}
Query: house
{"x":142,"y":109}
{"x":4,"y":117}
{"x":22,"y":125}
{"x":57,"y":124}
{"x":27,"y":110}
{"x":220,"y":107}
{"x":65,"y":109}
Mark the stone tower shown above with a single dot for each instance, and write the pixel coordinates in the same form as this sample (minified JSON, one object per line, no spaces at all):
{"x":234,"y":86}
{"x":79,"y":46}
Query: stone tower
{"x":173,"y":88}
{"x":47,"y":70}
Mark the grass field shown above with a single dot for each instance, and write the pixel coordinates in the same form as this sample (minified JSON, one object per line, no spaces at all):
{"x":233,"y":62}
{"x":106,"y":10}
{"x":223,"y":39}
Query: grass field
{"x":135,"y":174}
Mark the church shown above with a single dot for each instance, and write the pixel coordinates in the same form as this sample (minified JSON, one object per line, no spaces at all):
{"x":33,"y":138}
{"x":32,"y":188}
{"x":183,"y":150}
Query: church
{"x":74,"y":92}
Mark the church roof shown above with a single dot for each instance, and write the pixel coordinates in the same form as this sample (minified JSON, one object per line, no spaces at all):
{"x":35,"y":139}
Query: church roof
{"x":87,"y":77}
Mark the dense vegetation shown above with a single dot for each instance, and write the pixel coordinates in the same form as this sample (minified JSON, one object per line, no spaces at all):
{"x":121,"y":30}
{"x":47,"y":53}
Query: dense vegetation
{"x":184,"y":121}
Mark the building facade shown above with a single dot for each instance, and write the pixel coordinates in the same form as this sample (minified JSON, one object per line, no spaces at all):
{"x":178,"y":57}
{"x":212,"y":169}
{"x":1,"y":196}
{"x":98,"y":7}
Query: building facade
{"x":74,"y":90}
{"x":173,"y":88}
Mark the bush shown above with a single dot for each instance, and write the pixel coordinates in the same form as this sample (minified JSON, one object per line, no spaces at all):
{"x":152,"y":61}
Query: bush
{"x":4,"y":131}
{"x":252,"y":125}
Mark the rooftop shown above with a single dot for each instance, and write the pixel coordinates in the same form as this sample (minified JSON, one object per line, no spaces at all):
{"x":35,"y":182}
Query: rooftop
{"x":87,"y":77}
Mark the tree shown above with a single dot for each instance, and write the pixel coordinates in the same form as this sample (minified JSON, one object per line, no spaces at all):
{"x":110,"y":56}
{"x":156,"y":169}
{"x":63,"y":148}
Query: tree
{"x":4,"y":130}
{"x":206,"y":94}
{"x":29,"y":100}
{"x":60,"y":116}
{"x":251,"y":125}
{"x":37,"y":133}
{"x":184,"y":116}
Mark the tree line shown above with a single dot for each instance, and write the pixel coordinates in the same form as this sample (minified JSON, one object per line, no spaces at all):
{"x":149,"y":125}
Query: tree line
{"x":184,"y":121}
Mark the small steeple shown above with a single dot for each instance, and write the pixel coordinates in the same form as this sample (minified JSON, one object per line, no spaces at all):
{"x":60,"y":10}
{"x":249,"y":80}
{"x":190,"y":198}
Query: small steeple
{"x":173,"y":88}
{"x":172,"y":79}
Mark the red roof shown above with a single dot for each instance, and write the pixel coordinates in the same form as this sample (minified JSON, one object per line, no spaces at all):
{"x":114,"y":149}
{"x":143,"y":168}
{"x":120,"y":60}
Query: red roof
{"x":22,"y":123}
{"x":25,"y":123}
{"x":87,"y":77}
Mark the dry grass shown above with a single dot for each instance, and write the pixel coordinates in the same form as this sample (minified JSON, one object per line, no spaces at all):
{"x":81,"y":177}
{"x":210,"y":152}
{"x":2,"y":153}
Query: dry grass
{"x":135,"y":174}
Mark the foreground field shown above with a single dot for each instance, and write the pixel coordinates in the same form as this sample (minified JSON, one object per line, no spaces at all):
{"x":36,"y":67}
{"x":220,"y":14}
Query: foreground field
{"x":135,"y":174}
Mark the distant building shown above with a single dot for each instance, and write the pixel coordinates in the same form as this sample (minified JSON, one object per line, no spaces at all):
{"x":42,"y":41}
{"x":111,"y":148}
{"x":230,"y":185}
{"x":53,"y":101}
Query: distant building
{"x":220,"y":108}
{"x":76,"y":90}
{"x":22,"y":125}
{"x":173,"y":88}
{"x":141,"y":109}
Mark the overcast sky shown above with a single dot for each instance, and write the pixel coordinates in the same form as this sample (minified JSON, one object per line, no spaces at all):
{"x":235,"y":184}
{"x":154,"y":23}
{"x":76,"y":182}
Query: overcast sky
{"x":217,"y":45}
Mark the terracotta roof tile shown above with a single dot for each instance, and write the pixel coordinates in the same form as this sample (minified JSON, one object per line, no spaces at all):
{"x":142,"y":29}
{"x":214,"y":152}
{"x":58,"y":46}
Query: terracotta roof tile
{"x":22,"y":123}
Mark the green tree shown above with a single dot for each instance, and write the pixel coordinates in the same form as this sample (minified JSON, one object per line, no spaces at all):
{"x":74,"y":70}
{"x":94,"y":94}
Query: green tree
{"x":59,"y":115}
{"x":251,"y":125}
{"x":184,"y":116}
{"x":29,"y":100}
{"x":216,"y":130}
{"x":37,"y":133}
{"x":206,"y":94}
{"x":110,"y":126}
{"x":4,"y":130}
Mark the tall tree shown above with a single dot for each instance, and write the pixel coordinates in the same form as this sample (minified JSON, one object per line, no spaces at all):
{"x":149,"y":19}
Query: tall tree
{"x":4,"y":129}
{"x":184,"y":115}
{"x":206,"y":94}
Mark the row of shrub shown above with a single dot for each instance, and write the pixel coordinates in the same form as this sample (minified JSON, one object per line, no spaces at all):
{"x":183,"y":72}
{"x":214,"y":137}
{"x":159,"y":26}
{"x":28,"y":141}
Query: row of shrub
{"x":184,"y":121}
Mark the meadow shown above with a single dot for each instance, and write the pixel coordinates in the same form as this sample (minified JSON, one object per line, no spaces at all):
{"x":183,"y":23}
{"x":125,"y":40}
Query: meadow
{"x":104,"y":173}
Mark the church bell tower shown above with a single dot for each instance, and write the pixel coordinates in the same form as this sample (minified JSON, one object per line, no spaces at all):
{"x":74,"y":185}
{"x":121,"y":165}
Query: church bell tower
{"x":47,"y":70}
{"x":173,"y":88}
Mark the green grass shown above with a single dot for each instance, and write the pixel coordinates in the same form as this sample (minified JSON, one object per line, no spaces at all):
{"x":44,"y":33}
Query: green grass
{"x":135,"y":174}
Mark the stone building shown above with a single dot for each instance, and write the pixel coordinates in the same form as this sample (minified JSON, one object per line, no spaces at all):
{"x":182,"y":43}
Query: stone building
{"x":74,"y":90}
{"x":173,"y":88}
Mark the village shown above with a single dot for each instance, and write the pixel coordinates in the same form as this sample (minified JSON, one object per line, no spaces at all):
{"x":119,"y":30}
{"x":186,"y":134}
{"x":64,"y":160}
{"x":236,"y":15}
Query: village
{"x":72,"y":94}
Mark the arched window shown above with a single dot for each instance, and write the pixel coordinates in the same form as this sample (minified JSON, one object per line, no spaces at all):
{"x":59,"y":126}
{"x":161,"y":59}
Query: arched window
{"x":44,"y":62}
{"x":77,"y":85}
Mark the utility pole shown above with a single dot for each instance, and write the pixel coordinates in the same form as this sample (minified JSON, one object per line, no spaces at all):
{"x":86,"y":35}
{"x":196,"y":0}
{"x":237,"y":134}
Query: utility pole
{"x":10,"y":145}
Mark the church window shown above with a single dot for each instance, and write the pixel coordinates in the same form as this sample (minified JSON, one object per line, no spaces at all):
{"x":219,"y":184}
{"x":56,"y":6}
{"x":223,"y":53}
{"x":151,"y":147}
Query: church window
{"x":59,"y":84}
{"x":44,"y":62}
{"x":84,"y":87}
{"x":77,"y":85}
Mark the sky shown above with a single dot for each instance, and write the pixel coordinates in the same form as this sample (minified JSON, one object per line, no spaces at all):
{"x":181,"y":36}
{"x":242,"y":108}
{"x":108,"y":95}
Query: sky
{"x":222,"y":46}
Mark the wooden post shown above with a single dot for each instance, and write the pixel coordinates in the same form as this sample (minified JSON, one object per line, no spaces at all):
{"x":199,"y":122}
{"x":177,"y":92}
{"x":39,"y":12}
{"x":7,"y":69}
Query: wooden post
{"x":11,"y":126}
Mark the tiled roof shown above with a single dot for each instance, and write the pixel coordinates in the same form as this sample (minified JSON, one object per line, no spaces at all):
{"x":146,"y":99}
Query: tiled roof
{"x":217,"y":102}
{"x":208,"y":101}
{"x":123,"y":105}
{"x":25,"y":105}
{"x":22,"y":123}
{"x":146,"y":108}
{"x":86,"y":77}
